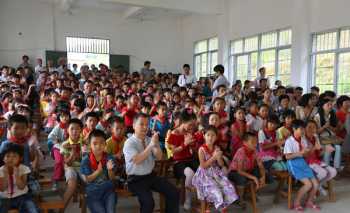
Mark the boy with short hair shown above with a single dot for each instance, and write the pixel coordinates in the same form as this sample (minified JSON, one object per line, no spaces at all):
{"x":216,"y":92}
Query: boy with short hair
{"x":160,"y":123}
{"x":97,"y":169}
{"x":72,"y":151}
{"x":91,"y":121}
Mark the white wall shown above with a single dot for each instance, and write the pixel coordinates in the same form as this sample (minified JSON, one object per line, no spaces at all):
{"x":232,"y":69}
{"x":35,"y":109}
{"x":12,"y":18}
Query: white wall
{"x":241,"y":18}
{"x":45,"y":28}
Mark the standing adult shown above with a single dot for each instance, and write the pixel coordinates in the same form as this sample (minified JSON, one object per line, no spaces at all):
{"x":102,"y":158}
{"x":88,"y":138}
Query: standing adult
{"x":186,"y":79}
{"x":262,"y":75}
{"x":140,"y":154}
{"x":220,"y":79}
{"x":147,"y":72}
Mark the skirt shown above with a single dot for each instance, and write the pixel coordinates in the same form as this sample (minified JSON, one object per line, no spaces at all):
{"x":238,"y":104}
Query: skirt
{"x":299,"y":168}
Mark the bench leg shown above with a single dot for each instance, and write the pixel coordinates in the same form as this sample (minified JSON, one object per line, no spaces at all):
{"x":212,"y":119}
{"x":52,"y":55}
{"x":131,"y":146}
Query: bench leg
{"x":331,"y":194}
{"x":203,"y":206}
{"x":279,"y":190}
{"x":290,"y":185}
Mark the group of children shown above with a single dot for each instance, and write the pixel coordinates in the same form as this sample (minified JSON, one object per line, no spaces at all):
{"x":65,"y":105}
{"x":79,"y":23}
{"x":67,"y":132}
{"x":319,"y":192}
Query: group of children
{"x":217,"y":143}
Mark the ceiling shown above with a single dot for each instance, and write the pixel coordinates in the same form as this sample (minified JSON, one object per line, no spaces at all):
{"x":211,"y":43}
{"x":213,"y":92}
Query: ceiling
{"x":144,"y":9}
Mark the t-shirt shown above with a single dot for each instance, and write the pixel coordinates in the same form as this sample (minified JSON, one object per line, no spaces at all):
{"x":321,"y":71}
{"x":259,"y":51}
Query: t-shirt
{"x":255,"y":123}
{"x":242,"y":160}
{"x":86,"y":170}
{"x":129,"y":116}
{"x":292,"y":145}
{"x":113,"y":147}
{"x":341,"y":116}
{"x":22,"y":170}
{"x":178,"y":140}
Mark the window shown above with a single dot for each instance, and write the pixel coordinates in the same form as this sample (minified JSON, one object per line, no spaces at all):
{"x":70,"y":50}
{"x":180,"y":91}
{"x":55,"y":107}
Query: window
{"x":331,"y":60}
{"x":205,"y":56}
{"x":87,"y":51}
{"x":271,"y":50}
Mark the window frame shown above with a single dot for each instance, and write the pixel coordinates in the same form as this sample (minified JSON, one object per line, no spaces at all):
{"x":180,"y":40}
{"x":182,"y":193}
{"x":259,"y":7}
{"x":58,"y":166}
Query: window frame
{"x":337,"y":52}
{"x":233,"y":56}
{"x":209,"y":57}
{"x":108,"y":41}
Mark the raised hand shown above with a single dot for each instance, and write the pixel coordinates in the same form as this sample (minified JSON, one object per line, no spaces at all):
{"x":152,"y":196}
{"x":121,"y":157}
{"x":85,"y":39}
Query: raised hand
{"x":110,"y":165}
{"x":188,"y":139}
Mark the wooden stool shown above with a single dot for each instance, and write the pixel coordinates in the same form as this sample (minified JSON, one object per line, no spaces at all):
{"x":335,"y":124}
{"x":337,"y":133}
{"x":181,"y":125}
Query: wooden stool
{"x":282,"y":178}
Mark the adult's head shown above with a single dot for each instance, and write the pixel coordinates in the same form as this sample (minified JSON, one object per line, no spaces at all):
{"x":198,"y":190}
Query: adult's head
{"x":186,"y":69}
{"x":147,"y":64}
{"x":262,"y":71}
{"x":219,"y":69}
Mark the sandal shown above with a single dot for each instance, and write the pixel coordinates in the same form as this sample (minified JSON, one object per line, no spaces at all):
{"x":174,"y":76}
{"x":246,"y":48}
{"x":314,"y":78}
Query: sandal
{"x":298,"y":208}
{"x":313,"y":206}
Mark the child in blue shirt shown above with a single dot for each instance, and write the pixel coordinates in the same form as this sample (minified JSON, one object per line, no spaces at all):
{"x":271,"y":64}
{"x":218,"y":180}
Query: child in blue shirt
{"x":160,"y":123}
{"x":97,"y":171}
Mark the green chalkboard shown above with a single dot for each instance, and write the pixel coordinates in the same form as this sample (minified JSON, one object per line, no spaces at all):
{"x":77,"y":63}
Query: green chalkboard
{"x":117,"y":60}
{"x":54,"y":56}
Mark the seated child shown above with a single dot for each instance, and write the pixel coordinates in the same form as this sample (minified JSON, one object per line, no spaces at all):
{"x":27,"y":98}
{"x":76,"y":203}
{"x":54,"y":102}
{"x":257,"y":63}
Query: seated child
{"x":286,"y":130}
{"x":181,"y":141}
{"x":130,"y":111}
{"x":160,"y":123}
{"x":238,"y":128}
{"x":13,"y":181}
{"x":91,"y":121}
{"x":97,"y":171}
{"x":72,"y":151}
{"x":322,"y":171}
{"x":55,"y":139}
{"x":270,"y":147}
{"x":104,"y":124}
{"x":295,"y":149}
{"x":246,"y":165}
{"x":254,"y":122}
{"x":114,"y":145}
{"x":210,"y":181}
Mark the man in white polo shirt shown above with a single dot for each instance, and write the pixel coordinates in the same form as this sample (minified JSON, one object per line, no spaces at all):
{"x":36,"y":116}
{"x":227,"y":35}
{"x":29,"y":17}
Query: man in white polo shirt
{"x":140,"y":154}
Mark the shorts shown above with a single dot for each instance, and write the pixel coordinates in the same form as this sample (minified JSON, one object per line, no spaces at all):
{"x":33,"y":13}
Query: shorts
{"x":71,"y":173}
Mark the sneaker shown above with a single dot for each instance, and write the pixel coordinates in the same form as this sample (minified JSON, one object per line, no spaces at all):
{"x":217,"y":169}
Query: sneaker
{"x":54,"y":187}
{"x":323,"y":191}
{"x":187,"y":206}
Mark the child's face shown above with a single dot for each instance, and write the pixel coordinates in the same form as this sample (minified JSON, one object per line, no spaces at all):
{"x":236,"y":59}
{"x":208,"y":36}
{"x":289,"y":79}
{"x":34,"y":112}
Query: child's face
{"x":214,"y":120}
{"x":145,"y":110}
{"x":289,"y":120}
{"x":311,"y":128}
{"x":222,"y":91}
{"x":91,"y":122}
{"x":161,"y":111}
{"x":219,"y":106}
{"x":120,"y":102}
{"x":18,"y":130}
{"x":90,"y":101}
{"x":97,"y":145}
{"x":251,"y":143}
{"x":188,"y":126}
{"x":263,"y":112}
{"x":64,"y":118}
{"x":299,"y":132}
{"x":327,"y":106}
{"x":346,"y":105}
{"x":12,"y":159}
{"x":74,"y":131}
{"x":253,"y":109}
{"x":285,"y":103}
{"x":118,"y":129}
{"x":110,"y":98}
{"x":54,"y":97}
{"x":240,"y":115}
{"x":210,"y":137}
{"x":271,"y":126}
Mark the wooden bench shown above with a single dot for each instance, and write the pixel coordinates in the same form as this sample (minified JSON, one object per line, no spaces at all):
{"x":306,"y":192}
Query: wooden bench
{"x":45,"y":206}
{"x":13,"y":211}
{"x":250,"y":188}
{"x":283,"y":177}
